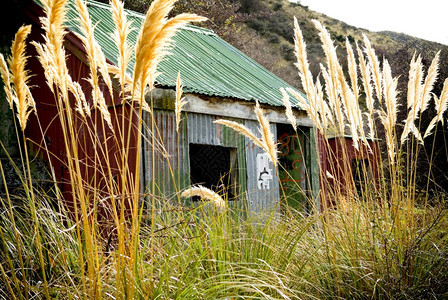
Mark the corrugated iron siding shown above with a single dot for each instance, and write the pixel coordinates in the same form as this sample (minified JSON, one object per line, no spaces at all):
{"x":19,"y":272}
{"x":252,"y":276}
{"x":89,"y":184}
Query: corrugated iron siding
{"x":170,"y":155}
{"x":202,"y":130}
{"x":259,"y":200}
{"x":172,"y":166}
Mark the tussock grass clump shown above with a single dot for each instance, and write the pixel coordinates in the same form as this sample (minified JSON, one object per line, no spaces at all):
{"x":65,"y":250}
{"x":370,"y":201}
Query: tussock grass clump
{"x":381,"y":241}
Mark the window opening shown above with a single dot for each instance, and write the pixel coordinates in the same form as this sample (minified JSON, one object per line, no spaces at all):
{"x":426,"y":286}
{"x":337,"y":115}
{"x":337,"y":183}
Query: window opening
{"x":214,"y":167}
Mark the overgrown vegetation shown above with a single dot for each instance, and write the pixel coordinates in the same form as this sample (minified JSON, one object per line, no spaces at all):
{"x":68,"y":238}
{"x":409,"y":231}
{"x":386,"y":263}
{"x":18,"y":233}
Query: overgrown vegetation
{"x":388,"y":241}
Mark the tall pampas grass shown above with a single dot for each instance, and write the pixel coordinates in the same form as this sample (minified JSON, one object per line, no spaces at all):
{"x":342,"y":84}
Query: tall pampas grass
{"x":97,"y":63}
{"x":419,"y":95}
{"x":333,"y":78}
{"x":428,"y":85}
{"x":389,"y":117}
{"x":154,"y":40}
{"x":311,"y":104}
{"x":352,"y":68}
{"x":266,"y":134}
{"x":72,"y":103}
{"x":52,"y":51}
{"x":18,"y":93}
{"x":302,"y":63}
{"x":366,"y":74}
{"x":6,"y":77}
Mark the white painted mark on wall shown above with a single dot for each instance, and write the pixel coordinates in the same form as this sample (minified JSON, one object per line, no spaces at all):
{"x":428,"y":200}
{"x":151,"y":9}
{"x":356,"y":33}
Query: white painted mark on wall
{"x":264,"y":172}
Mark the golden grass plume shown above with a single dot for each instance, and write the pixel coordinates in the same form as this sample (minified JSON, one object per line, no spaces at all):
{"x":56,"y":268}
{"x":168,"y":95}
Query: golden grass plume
{"x":288,"y":108}
{"x":18,"y":76}
{"x":154,"y":40}
{"x":375,"y":67}
{"x":419,"y":95}
{"x":366,"y":74}
{"x":389,"y":117}
{"x":266,"y":134}
{"x":52,"y":49}
{"x":302,"y":63}
{"x":242,"y":129}
{"x":97,"y":62}
{"x":6,"y":77}
{"x":268,"y":147}
{"x":431,"y":78}
{"x":122,"y":30}
{"x":206,"y":194}
{"x":179,"y":102}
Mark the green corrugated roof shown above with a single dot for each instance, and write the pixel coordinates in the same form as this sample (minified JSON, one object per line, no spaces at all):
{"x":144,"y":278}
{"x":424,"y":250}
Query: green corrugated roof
{"x":208,"y":64}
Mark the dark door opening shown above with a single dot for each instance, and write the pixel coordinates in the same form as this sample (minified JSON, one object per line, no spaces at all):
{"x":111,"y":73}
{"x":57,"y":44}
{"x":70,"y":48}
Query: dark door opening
{"x":362,"y":174}
{"x":292,"y":173}
{"x":214,"y":167}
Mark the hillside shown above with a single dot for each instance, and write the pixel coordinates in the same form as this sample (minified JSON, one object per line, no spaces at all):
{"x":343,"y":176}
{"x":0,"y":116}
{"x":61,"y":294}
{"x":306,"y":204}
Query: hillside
{"x":276,"y":31}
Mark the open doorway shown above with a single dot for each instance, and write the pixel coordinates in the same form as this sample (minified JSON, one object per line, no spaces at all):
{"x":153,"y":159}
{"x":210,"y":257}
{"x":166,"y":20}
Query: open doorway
{"x":292,"y":173}
{"x":214,"y":167}
{"x":362,"y":174}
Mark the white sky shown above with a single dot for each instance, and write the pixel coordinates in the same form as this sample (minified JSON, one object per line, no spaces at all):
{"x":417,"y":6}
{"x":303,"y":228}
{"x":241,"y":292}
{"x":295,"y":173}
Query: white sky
{"x":427,"y":19}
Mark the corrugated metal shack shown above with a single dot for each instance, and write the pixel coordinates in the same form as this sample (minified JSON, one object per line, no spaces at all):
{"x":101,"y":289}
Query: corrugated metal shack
{"x":219,"y":81}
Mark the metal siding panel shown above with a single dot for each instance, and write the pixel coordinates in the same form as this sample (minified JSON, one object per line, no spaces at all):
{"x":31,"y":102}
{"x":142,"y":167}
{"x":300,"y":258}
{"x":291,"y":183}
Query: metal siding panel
{"x":313,"y":164}
{"x":167,"y":179}
{"x":259,"y":200}
{"x":202,"y":130}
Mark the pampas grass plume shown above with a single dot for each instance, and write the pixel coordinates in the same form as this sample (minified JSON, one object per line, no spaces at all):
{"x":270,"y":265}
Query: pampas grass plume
{"x":431,"y":78}
{"x":6,"y":76}
{"x":375,"y":67}
{"x":206,"y":194}
{"x":268,"y":146}
{"x":19,"y":76}
{"x":389,"y":117}
{"x":289,"y":113}
{"x":441,"y":104}
{"x":241,"y":129}
{"x":154,"y":39}
{"x":97,"y":61}
{"x":122,"y":30}
{"x":179,"y":102}
{"x":266,"y":134}
{"x":302,"y":62}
